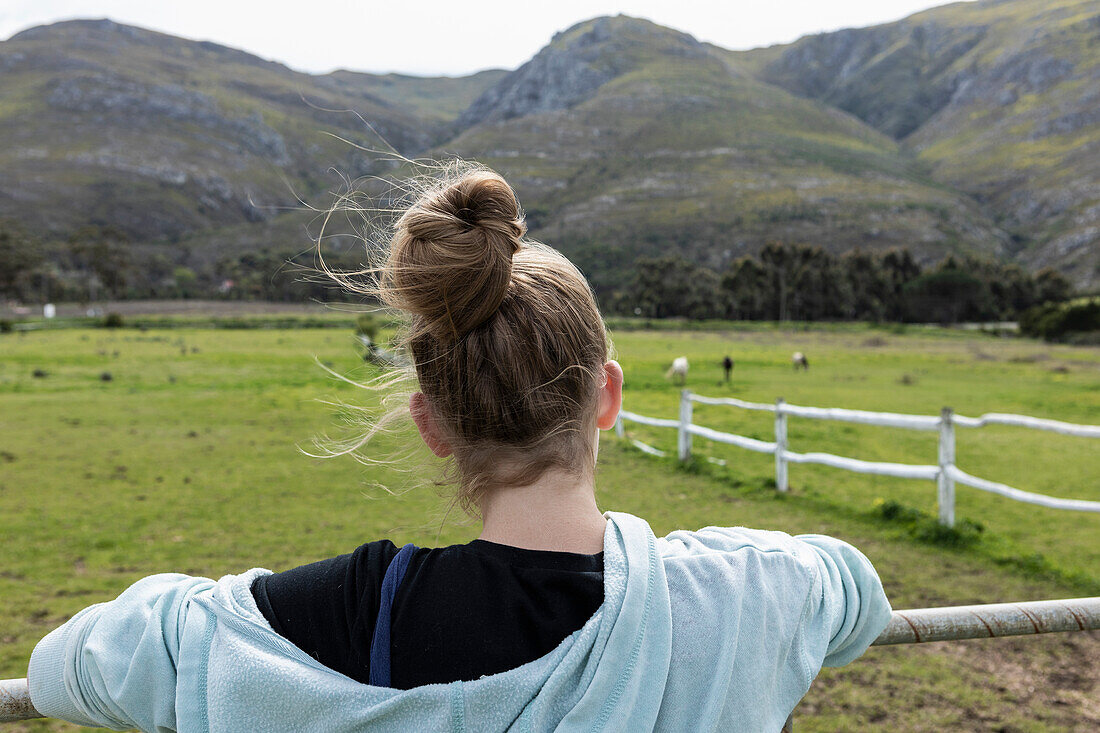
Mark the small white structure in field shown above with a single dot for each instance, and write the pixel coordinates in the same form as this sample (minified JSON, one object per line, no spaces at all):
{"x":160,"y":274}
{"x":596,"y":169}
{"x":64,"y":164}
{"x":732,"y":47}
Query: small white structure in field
{"x":49,"y":310}
{"x":799,"y":361}
{"x":678,"y":369}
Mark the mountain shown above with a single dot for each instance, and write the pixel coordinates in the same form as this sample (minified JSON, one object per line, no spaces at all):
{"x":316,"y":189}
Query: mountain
{"x":969,"y":128}
{"x":624,"y":138}
{"x":1000,"y":100}
{"x":162,"y":137}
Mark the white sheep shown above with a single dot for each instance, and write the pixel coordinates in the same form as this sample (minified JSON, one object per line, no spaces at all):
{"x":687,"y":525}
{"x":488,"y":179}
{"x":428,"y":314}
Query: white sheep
{"x":678,"y":369}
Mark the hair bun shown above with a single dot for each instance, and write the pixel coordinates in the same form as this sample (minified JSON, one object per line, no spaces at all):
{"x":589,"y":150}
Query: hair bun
{"x":451,"y":255}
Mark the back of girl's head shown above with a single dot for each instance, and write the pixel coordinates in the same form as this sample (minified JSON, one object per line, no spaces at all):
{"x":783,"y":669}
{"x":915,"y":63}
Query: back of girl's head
{"x":504,"y":334}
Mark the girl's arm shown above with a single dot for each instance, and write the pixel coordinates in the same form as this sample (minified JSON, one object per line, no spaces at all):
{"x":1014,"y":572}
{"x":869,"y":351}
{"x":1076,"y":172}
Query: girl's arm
{"x":114,"y":664}
{"x":828,"y":585}
{"x":848,"y":610}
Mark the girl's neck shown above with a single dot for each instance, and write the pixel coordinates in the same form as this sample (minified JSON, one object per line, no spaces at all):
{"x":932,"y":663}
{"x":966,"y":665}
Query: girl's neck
{"x":558,"y":512}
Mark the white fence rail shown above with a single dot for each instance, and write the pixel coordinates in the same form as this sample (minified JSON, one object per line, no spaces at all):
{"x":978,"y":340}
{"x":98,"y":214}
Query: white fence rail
{"x":945,"y":473}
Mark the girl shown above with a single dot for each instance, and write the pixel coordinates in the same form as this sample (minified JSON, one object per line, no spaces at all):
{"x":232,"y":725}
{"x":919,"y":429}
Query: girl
{"x":558,"y":617}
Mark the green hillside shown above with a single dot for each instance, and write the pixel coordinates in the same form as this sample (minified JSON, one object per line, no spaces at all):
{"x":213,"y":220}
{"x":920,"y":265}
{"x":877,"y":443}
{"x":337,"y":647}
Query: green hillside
{"x":431,"y":98}
{"x":1001,"y":100}
{"x":159,"y":137}
{"x":675,"y":150}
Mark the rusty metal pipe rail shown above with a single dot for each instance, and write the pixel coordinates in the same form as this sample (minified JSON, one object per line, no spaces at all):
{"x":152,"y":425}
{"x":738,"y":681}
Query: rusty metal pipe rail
{"x":916,"y":626}
{"x":995,"y":619}
{"x":15,"y":702}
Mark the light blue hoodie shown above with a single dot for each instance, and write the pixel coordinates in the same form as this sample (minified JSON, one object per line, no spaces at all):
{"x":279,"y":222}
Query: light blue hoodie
{"x":720,"y":629}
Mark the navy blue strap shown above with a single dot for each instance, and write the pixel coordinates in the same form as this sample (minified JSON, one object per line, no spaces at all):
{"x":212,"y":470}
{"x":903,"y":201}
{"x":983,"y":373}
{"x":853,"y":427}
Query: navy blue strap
{"x":380,"y":642}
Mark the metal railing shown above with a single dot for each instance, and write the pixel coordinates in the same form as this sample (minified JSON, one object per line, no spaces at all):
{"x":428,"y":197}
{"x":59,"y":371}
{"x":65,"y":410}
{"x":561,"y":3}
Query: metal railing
{"x":945,"y":473}
{"x":15,"y":702}
{"x":916,"y":626}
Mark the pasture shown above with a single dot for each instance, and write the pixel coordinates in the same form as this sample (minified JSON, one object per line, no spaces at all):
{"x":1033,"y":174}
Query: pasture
{"x":187,"y":460}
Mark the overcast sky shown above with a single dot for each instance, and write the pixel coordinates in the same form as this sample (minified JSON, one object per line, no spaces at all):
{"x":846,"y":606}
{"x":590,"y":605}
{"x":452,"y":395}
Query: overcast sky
{"x":452,"y":38}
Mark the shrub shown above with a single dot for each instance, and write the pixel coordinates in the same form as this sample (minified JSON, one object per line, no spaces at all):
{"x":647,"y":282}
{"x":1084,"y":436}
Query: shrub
{"x":113,"y":320}
{"x":964,"y":534}
{"x":368,"y":325}
{"x":892,"y":510}
{"x":1068,"y":320}
{"x":925,"y":528}
{"x":6,"y":326}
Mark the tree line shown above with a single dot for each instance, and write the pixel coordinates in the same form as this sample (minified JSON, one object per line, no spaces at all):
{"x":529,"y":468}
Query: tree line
{"x":783,"y":282}
{"x":786,"y":282}
{"x":99,"y":263}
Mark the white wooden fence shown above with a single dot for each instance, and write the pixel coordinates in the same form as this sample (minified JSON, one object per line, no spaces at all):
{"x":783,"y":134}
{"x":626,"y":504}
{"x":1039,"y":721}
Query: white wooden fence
{"x":945,"y":473}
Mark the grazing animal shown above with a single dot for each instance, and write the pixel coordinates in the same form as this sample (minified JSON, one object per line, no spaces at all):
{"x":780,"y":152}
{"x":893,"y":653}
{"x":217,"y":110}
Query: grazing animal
{"x":375,"y":354}
{"x":799,"y":361}
{"x":727,"y":364}
{"x":678,"y":369}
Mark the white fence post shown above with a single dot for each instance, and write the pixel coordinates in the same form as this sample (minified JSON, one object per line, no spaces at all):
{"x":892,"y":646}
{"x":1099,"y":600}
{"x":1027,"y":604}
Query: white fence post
{"x":780,"y":445}
{"x":620,"y":429}
{"x":683,"y":443}
{"x":945,"y":484}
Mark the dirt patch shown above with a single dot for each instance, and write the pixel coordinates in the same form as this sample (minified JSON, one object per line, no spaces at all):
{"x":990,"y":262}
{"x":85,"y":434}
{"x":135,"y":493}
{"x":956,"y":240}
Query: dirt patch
{"x":1048,"y":682}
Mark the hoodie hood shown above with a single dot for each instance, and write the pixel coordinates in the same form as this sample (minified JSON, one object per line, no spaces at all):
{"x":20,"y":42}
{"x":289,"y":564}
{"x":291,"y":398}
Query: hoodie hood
{"x":608,"y":675}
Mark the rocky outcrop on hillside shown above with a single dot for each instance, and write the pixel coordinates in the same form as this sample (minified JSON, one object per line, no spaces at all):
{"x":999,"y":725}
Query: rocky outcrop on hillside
{"x":894,"y":77}
{"x":130,"y":103}
{"x":897,"y":77}
{"x":577,"y":62}
{"x":1001,"y":100}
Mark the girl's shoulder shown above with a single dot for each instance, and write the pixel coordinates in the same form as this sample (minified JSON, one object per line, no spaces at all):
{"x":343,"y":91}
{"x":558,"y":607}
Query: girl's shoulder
{"x":728,"y":539}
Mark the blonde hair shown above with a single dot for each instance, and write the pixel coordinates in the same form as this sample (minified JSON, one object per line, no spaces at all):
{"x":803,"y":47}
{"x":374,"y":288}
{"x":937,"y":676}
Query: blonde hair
{"x":503,"y":333}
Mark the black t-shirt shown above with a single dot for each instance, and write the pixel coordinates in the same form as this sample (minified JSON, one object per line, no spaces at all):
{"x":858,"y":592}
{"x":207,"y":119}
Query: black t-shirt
{"x":461,"y":612}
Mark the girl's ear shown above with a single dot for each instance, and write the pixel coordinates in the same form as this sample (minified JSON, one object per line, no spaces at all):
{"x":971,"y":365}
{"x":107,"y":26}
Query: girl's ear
{"x":425,"y":423}
{"x":611,"y":396}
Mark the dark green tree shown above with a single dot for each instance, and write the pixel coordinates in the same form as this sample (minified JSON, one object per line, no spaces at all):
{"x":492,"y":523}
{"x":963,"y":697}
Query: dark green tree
{"x":821,"y":290}
{"x":185,"y":281}
{"x":1017,"y":290}
{"x":779,"y":273}
{"x":1052,"y":286}
{"x":802,"y":282}
{"x":20,"y":260}
{"x":947,"y":295}
{"x":1012,"y":290}
{"x":103,"y":255}
{"x":898,"y":268}
{"x":745,"y":285}
{"x":672,"y":286}
{"x":869,"y":289}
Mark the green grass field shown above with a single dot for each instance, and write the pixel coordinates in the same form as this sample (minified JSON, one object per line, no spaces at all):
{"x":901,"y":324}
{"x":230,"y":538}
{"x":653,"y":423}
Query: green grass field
{"x":187,"y":460}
